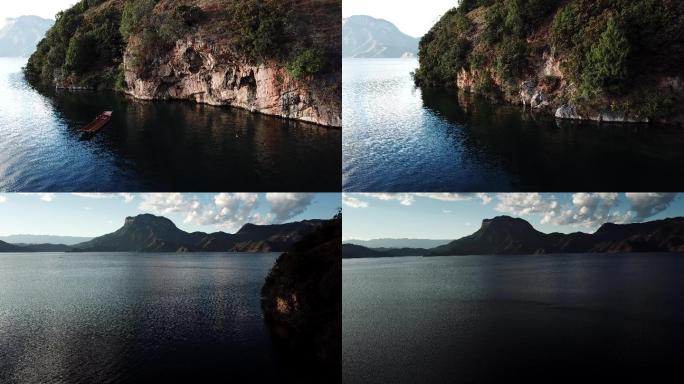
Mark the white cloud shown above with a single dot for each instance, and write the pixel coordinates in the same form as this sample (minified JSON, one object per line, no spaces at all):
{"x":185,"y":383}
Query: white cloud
{"x":585,"y":209}
{"x":403,"y":198}
{"x":95,"y":195}
{"x":164,"y":203}
{"x":127,"y":197}
{"x":48,"y":197}
{"x":408,"y":199}
{"x":645,"y":205}
{"x":228,"y":211}
{"x":353,"y":202}
{"x":285,"y":206}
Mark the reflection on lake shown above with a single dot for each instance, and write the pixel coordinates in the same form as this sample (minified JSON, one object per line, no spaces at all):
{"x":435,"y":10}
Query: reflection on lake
{"x":401,"y":138}
{"x":153,"y":146}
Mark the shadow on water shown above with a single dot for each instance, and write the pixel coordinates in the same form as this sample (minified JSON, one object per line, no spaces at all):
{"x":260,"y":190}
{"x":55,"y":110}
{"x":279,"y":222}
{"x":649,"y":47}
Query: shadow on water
{"x":541,"y":153}
{"x":301,"y":356}
{"x":186,"y":146}
{"x":153,"y":145}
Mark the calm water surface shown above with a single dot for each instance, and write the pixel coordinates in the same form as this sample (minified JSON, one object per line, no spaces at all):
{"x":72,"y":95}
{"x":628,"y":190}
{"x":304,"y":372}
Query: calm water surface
{"x":400,"y":138}
{"x":99,"y":318}
{"x":546,"y":319}
{"x":153,"y":146}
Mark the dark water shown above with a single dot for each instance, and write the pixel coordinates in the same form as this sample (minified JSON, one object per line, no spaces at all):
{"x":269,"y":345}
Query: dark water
{"x":153,"y":146}
{"x":529,"y":319}
{"x":105,"y":318}
{"x":400,"y":138}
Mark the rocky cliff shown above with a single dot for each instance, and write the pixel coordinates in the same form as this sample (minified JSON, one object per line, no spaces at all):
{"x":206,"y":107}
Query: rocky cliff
{"x":276,"y":57}
{"x":302,"y":304}
{"x":197,"y":70}
{"x":610,"y":61}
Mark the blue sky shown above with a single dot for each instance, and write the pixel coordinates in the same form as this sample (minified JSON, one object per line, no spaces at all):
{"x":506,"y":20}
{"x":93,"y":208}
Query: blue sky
{"x":451,"y":216}
{"x":97,"y":214}
{"x":412,"y":17}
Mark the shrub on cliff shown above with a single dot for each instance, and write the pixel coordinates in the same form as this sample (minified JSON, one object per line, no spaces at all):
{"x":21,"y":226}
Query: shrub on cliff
{"x":77,"y":44}
{"x":261,"y":27}
{"x":444,"y":50}
{"x":511,"y":57}
{"x":80,"y":53}
{"x":305,"y":63}
{"x":607,"y":62}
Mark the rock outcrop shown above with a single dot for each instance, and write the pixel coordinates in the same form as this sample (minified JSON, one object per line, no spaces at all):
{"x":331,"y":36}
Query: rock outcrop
{"x":275,"y":57}
{"x":537,"y":53}
{"x":202,"y":72}
{"x":302,"y":304}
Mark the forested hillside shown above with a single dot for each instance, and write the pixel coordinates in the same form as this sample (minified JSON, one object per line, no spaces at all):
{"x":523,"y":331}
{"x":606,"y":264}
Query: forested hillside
{"x":610,"y":60}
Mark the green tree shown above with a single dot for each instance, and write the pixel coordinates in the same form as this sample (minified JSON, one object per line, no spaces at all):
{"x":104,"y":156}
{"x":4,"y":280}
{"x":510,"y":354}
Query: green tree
{"x":511,"y":57}
{"x":136,"y":16}
{"x":607,"y":61}
{"x":80,"y":54}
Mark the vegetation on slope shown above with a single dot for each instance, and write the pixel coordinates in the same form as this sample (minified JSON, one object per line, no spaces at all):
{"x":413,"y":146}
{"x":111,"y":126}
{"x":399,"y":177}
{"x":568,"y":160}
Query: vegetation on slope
{"x":302,"y":303}
{"x":611,"y":51}
{"x":86,"y":45}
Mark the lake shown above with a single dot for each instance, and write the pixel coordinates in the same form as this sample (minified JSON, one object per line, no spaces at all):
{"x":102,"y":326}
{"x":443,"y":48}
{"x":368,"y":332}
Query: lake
{"x":399,"y":138}
{"x":513,"y":319}
{"x":124,"y":317}
{"x":153,"y":146}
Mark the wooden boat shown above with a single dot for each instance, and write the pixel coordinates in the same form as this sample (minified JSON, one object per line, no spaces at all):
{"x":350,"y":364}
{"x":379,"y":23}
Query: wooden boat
{"x":98,"y":123}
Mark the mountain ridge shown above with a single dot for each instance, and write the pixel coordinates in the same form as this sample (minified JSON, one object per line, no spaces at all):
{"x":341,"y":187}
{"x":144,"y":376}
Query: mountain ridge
{"x":398,"y":243}
{"x":505,"y":235}
{"x":150,"y":233}
{"x":368,"y":37}
{"x":20,"y":35}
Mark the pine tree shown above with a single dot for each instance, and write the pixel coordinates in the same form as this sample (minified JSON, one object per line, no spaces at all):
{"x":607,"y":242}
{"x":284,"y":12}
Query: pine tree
{"x":607,"y":61}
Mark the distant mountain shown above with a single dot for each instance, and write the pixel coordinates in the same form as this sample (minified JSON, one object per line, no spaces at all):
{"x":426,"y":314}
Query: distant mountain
{"x":398,"y":243}
{"x":43,"y":239}
{"x":5,"y":247}
{"x":353,"y":251}
{"x":19,"y":36}
{"x":44,"y":247}
{"x":511,"y":236}
{"x":149,"y":233}
{"x":368,"y":37}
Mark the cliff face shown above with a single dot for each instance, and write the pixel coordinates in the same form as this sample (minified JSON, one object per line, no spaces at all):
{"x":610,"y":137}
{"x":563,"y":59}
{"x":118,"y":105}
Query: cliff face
{"x":276,"y":57}
{"x":302,"y":304}
{"x":198,"y":71}
{"x":611,"y":61}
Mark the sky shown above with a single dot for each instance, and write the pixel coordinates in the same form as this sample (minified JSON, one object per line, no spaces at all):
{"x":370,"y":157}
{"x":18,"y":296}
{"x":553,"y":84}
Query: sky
{"x":44,"y":8}
{"x":415,"y":18}
{"x":448,"y":216}
{"x":96,"y":214}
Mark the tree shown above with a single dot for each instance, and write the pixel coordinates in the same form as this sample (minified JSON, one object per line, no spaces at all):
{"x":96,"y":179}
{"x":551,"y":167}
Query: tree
{"x":607,"y":61}
{"x":80,"y":54}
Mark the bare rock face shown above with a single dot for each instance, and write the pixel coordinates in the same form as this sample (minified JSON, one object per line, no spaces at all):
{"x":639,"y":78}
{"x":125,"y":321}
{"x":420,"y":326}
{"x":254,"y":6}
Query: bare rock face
{"x":568,"y":111}
{"x":466,"y":79}
{"x":198,"y":71}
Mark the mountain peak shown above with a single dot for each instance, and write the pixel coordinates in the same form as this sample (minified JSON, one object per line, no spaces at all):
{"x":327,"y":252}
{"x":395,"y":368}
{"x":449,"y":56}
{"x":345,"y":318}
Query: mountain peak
{"x":147,"y":218}
{"x":367,"y":37}
{"x":506,"y":221}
